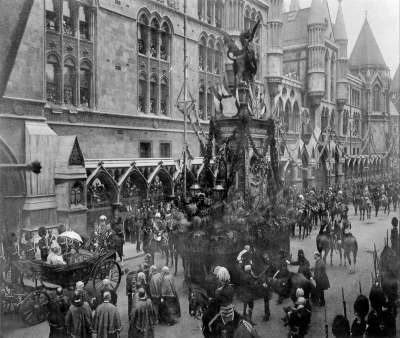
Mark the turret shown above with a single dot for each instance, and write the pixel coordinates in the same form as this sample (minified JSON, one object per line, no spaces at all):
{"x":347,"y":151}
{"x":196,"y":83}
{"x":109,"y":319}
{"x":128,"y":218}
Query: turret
{"x":274,"y":42}
{"x":340,"y":35}
{"x":294,"y":6}
{"x":316,"y":51}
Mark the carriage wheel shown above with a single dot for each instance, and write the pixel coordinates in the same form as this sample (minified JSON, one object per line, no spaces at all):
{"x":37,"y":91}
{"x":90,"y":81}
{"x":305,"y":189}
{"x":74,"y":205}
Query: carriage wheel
{"x":33,"y":309}
{"x":107,"y":269}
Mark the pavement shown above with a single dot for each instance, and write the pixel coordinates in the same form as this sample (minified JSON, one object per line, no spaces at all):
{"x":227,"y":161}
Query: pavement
{"x":367,"y":233}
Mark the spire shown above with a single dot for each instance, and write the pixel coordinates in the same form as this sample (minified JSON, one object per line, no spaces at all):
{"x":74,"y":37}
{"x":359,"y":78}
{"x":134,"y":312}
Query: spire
{"x":339,"y":30}
{"x":366,"y":51}
{"x":294,"y":6}
{"x":316,"y":13}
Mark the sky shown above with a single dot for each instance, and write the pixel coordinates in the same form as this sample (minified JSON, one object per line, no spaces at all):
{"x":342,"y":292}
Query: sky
{"x":383,"y":17}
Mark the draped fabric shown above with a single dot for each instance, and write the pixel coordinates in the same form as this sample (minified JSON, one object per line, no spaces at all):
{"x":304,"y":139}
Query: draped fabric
{"x":107,"y":322}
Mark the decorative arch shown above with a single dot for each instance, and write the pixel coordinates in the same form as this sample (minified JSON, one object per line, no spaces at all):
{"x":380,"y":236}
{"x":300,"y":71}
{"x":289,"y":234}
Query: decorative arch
{"x":133,"y":188}
{"x":296,"y":117}
{"x":160,"y":184}
{"x":102,"y":189}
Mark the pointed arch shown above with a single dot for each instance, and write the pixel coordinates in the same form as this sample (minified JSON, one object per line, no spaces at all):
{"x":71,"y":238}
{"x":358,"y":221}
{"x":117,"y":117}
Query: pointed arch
{"x":102,"y":189}
{"x":286,"y":119}
{"x":296,"y":117}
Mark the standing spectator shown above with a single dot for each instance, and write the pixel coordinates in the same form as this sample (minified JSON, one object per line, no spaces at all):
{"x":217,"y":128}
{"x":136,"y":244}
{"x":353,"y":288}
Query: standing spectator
{"x":170,"y":307}
{"x":303,"y":263}
{"x":107,"y":287}
{"x":155,"y":288}
{"x":57,"y":309}
{"x":107,"y":322}
{"x":43,"y":244}
{"x":321,"y":278}
{"x":394,"y":235}
{"x":142,"y":318}
{"x":78,"y":320}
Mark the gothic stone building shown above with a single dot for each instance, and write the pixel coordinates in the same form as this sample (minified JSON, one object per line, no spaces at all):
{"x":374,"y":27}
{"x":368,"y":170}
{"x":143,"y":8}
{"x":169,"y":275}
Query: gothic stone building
{"x":95,"y":88}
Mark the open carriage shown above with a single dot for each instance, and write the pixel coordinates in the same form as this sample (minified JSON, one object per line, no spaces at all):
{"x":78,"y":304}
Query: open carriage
{"x":31,"y":300}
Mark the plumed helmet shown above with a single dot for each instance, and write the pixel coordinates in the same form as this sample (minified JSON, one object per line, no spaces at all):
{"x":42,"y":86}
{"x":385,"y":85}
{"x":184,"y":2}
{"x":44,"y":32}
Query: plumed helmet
{"x":341,"y":326}
{"x":361,"y":306}
{"x":102,"y":218}
{"x":299,"y":293}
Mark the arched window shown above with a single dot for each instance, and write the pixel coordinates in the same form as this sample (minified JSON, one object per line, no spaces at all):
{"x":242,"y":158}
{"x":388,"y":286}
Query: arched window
{"x":165,"y":42}
{"x":53,"y":79}
{"x":218,"y":59}
{"x":286,"y":119}
{"x":210,"y":56}
{"x":68,"y":23}
{"x":153,"y":94}
{"x":142,"y":102}
{"x":202,"y":54}
{"x":345,"y":122}
{"x":142,"y":34}
{"x":357,"y":124}
{"x":296,"y":117}
{"x":69,"y":81}
{"x":324,"y":119}
{"x":84,"y":20}
{"x":76,"y":194}
{"x":85,"y":80}
{"x":377,"y":97}
{"x":164,"y":96}
{"x":209,"y":101}
{"x":155,"y":26}
{"x":219,"y":9}
{"x":52,"y":19}
{"x":202,"y":102}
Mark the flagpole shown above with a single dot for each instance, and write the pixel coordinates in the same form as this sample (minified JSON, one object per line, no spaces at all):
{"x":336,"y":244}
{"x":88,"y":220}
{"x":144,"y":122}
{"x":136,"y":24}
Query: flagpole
{"x":185,"y":99}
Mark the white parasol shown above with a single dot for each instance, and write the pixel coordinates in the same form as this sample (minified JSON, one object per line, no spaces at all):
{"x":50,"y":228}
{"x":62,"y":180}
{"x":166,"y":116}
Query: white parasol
{"x":73,"y":235}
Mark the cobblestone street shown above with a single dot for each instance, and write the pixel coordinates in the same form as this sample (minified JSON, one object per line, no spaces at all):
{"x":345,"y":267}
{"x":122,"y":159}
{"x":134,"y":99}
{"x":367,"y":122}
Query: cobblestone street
{"x":367,"y":233}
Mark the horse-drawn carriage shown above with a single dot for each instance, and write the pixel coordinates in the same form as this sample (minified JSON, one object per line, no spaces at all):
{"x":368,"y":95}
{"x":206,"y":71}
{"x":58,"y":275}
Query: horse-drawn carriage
{"x":36,"y":280}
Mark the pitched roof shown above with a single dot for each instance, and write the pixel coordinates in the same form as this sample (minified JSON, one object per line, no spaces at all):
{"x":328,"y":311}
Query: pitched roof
{"x":295,"y":30}
{"x":366,"y":51}
{"x":395,"y":86}
{"x":339,"y":29}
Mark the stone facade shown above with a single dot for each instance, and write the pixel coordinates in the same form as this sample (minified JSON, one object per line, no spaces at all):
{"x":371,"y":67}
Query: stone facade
{"x":110,"y":73}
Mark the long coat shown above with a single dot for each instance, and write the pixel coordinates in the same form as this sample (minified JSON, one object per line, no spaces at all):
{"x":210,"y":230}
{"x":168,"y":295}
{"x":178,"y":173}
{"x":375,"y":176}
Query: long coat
{"x":143,"y":320}
{"x":320,"y":276}
{"x":79,"y":320}
{"x":107,"y":322}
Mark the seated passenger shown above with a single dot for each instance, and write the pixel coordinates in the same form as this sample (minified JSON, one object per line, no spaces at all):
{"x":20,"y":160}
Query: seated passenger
{"x":55,"y":257}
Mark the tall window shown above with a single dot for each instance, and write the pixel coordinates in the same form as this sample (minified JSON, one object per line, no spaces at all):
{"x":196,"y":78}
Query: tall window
{"x":69,"y":82}
{"x":200,"y":8}
{"x":333,"y":82}
{"x":210,"y":67}
{"x":53,"y":79}
{"x":145,"y":149}
{"x":153,"y":94}
{"x":154,"y":57}
{"x":377,"y":97}
{"x":327,"y":79}
{"x":142,"y":102}
{"x":142,"y":34}
{"x":52,"y":21}
{"x":345,"y":122}
{"x":84,"y":17}
{"x":165,"y":150}
{"x":68,"y":24}
{"x":210,"y":9}
{"x":84,"y":84}
{"x":164,"y":96}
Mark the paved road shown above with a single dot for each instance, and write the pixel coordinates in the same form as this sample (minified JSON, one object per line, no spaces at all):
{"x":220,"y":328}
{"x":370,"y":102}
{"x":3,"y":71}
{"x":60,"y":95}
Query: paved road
{"x":367,"y":233}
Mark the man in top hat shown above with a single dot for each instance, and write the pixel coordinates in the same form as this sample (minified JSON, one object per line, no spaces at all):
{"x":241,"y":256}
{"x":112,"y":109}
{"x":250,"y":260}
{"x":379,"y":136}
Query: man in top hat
{"x":303,"y":263}
{"x":394,"y":235}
